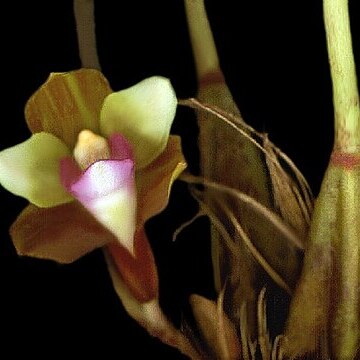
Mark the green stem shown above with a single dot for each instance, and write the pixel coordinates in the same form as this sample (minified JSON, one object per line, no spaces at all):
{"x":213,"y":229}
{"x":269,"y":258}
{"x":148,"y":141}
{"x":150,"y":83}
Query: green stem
{"x":345,"y":92}
{"x":85,"y":28}
{"x":202,"y":40}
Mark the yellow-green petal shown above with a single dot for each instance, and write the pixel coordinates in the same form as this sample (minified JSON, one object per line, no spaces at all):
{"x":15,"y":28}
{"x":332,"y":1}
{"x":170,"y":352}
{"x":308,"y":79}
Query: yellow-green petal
{"x":142,"y":113}
{"x":68,"y":103}
{"x":31,"y":170}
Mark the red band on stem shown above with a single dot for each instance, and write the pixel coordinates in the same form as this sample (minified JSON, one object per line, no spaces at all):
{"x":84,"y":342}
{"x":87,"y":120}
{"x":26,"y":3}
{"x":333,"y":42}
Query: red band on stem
{"x":213,"y":77}
{"x":345,"y":160}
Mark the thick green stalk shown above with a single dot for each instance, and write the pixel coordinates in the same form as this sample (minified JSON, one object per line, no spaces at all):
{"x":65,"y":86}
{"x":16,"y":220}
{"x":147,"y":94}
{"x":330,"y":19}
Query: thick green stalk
{"x":325,"y":311}
{"x":343,"y":74}
{"x":345,"y":329}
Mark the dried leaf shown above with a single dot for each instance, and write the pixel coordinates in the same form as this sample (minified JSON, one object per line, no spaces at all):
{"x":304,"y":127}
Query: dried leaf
{"x":257,"y":230}
{"x":216,"y":329}
{"x":234,"y":156}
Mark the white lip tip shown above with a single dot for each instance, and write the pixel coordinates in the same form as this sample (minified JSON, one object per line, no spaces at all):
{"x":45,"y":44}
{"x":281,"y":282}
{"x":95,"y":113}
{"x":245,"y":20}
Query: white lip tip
{"x":129,"y":247}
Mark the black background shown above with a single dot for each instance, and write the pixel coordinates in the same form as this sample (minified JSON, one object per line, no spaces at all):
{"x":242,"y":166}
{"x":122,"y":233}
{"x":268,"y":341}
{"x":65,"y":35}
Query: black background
{"x":274,"y":58}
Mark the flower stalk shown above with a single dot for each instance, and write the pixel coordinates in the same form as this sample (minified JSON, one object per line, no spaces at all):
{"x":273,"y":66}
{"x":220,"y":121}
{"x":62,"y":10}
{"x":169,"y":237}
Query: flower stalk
{"x":202,"y":39}
{"x":86,"y":35}
{"x":325,"y":312}
{"x":343,"y":74}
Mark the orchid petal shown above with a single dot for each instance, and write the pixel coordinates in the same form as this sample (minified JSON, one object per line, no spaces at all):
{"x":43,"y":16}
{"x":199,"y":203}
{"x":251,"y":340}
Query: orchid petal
{"x":107,"y":191}
{"x":67,"y":103}
{"x":31,"y":170}
{"x":63,"y":233}
{"x":154,"y":182}
{"x":143,"y":114}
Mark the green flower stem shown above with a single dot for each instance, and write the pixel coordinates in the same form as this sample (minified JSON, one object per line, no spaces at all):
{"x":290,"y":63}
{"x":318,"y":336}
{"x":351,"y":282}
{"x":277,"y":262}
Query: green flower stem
{"x":345,"y":324}
{"x":345,"y":91}
{"x":85,"y":28}
{"x":202,"y":40}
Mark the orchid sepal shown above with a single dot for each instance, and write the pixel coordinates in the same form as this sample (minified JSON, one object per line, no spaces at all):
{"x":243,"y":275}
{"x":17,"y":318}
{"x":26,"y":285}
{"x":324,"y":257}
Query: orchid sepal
{"x":68,"y":103}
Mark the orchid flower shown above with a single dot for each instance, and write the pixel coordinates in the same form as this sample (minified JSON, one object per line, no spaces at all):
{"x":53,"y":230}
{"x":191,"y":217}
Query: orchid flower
{"x":97,"y":166}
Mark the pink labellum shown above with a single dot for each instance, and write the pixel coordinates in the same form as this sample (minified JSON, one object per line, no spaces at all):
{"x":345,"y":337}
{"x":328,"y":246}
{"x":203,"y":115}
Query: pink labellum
{"x":107,"y":190}
{"x":100,"y":179}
